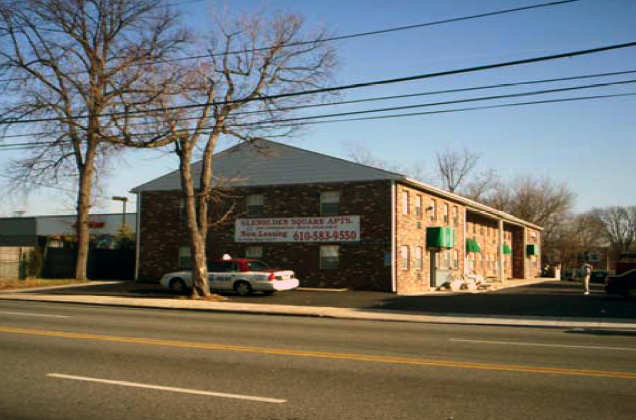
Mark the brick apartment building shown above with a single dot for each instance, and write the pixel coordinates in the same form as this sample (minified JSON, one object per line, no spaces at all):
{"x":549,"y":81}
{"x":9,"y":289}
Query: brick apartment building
{"x":337,"y":224}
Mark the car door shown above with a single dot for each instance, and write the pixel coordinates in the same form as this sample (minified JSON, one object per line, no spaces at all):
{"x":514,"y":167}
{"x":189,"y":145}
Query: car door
{"x":215,"y":272}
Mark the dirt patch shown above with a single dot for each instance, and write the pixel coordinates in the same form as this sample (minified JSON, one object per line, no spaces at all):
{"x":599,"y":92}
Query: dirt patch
{"x":212,"y":298}
{"x":12,"y":284}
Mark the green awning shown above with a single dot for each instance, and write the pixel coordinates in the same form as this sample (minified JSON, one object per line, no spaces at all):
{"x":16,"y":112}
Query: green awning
{"x":506,"y":249}
{"x":472,"y":245}
{"x":532,"y":249}
{"x":441,"y":237}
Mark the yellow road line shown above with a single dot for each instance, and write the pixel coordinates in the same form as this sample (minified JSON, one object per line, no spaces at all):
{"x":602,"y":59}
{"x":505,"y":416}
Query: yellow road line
{"x":326,"y":355}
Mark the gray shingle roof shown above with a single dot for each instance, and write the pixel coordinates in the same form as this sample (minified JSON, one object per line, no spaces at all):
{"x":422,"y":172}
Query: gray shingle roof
{"x":269,"y":163}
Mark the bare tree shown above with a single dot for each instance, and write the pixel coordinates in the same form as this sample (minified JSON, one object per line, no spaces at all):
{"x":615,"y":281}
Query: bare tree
{"x":536,"y":200}
{"x":480,"y":185}
{"x":360,"y":153}
{"x":75,"y":71}
{"x":454,"y":166}
{"x":617,"y":225}
{"x":241,"y":90}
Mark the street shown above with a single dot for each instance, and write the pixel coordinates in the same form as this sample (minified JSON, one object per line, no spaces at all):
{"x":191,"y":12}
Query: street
{"x":79,"y":362}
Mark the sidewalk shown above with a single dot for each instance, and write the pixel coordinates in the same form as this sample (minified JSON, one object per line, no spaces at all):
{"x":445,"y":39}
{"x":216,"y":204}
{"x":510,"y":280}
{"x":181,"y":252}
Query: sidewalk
{"x":393,"y":315}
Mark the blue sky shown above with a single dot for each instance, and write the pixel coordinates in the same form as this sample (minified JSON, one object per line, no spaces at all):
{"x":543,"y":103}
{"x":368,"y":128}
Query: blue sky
{"x":590,"y":145}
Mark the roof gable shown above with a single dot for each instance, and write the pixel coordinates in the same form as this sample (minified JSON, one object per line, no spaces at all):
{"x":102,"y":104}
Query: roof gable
{"x":266,"y":163}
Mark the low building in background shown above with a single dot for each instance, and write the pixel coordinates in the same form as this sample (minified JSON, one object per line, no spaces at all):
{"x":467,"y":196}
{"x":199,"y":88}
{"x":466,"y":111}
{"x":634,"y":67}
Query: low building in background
{"x":54,"y":238}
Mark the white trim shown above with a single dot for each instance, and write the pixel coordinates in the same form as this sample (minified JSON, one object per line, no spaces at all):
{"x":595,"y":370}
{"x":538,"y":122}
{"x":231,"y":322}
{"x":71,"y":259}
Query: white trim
{"x":138,"y":244}
{"x":500,"y":241}
{"x":393,"y":238}
{"x":463,"y":245}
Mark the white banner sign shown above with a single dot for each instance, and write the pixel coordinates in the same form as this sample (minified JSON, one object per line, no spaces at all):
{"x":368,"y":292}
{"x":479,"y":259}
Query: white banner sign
{"x":299,"y":229}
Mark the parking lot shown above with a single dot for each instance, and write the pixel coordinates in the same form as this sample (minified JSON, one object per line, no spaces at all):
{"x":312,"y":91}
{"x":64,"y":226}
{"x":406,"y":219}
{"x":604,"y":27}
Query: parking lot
{"x":548,"y":299}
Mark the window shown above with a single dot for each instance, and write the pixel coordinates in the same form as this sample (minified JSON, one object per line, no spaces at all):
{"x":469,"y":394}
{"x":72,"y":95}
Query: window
{"x":438,"y":260}
{"x":184,"y":257}
{"x":447,"y":258}
{"x":455,"y":259}
{"x":329,"y":203}
{"x":254,"y":205}
{"x":329,"y":257}
{"x":418,"y":257}
{"x":404,"y":250}
{"x":433,"y":210}
{"x":455,"y":216}
{"x":405,"y":202}
{"x":445,"y":214}
{"x":254,"y":252}
{"x":418,"y":206}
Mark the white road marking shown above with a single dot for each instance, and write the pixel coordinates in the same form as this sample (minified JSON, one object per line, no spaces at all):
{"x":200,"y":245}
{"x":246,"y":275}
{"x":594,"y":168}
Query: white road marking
{"x":168,"y":388}
{"x":29,"y":314}
{"x":565,"y":346}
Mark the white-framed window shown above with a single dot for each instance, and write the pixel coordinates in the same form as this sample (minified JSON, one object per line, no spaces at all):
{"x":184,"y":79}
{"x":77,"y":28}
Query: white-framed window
{"x":418,"y":257}
{"x":254,"y":252}
{"x":255,"y":205}
{"x":329,"y":257}
{"x":445,"y":213}
{"x":447,"y":258}
{"x":404,"y":257}
{"x":405,"y":202}
{"x":432,"y":210}
{"x":455,"y":259}
{"x":185,"y":260}
{"x":418,"y":206}
{"x":455,"y":215}
{"x":329,"y":203}
{"x":438,"y":260}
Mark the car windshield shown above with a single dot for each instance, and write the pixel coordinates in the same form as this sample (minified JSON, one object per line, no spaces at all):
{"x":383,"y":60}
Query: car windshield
{"x":257,"y":265}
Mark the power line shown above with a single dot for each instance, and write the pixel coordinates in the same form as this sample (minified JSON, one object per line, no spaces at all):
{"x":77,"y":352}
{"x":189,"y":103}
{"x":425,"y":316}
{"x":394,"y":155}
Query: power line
{"x":413,"y":114}
{"x":486,"y":98}
{"x":354,"y":35}
{"x":381,"y":98}
{"x":17,"y":146}
{"x":365,"y":84}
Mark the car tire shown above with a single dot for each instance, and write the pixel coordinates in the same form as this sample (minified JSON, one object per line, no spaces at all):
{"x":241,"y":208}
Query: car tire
{"x":177,"y":285}
{"x":631,"y":293}
{"x":242,"y":288}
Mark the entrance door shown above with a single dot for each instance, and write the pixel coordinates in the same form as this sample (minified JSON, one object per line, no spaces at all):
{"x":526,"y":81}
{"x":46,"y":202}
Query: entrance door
{"x":439,"y":276}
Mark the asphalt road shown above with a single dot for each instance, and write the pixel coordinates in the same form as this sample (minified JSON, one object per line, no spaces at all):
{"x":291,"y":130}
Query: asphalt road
{"x":80,"y":362}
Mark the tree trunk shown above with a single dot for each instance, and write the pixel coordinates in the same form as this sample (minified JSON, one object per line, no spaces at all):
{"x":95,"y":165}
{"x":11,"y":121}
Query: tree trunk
{"x":200,"y":286}
{"x":81,"y":228}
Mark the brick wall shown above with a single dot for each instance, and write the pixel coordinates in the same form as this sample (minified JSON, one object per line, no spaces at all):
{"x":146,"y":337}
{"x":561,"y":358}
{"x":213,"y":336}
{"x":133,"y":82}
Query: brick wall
{"x":485,"y":232}
{"x":361,"y":264}
{"x":411,"y":232}
{"x":533,"y":263}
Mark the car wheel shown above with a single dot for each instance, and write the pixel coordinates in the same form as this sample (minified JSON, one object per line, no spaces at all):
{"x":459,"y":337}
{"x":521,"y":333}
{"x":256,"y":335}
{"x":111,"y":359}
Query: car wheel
{"x":177,"y":285}
{"x":242,"y":288}
{"x":631,"y":294}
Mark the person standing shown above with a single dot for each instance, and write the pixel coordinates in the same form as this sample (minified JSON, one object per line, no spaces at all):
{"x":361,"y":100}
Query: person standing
{"x":587,"y":272}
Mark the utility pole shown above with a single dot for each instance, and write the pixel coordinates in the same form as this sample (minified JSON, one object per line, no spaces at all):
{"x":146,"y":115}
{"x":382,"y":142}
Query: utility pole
{"x":123,"y":214}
